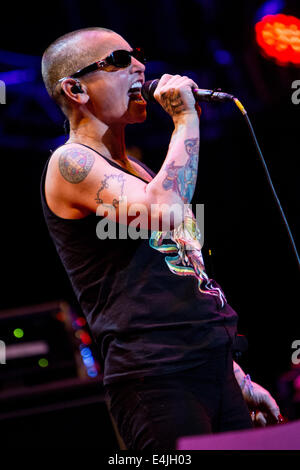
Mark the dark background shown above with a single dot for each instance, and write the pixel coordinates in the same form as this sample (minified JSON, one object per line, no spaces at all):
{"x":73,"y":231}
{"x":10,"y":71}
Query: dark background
{"x":214,"y":43}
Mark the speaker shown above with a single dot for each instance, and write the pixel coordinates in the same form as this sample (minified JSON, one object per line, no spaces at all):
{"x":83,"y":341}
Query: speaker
{"x":51,"y":389}
{"x":71,"y":417}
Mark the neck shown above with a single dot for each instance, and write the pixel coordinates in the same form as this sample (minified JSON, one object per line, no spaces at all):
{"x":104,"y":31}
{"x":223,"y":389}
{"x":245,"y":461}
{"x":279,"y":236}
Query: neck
{"x":109,"y":140}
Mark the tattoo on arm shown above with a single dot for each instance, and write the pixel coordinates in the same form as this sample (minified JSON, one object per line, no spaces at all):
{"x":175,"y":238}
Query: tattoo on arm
{"x":172,"y":102}
{"x":75,"y":165}
{"x":114,"y":182}
{"x":238,"y":373}
{"x":182,"y":178}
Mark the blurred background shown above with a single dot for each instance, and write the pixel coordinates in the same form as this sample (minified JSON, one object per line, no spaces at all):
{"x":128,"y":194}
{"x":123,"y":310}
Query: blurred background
{"x":50,"y":386}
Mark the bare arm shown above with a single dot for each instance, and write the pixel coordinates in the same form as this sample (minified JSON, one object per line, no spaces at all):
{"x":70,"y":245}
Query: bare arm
{"x":238,"y":373}
{"x":87,"y":183}
{"x":263,"y":406}
{"x":178,"y":174}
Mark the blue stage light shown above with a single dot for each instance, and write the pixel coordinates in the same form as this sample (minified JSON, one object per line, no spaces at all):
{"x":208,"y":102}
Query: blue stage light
{"x":92,"y":372}
{"x":88,"y":361}
{"x":223,"y":57}
{"x":86,"y":352}
{"x":271,"y":7}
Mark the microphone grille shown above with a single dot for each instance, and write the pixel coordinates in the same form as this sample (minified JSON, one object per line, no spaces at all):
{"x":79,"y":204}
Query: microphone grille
{"x":148,"y":90}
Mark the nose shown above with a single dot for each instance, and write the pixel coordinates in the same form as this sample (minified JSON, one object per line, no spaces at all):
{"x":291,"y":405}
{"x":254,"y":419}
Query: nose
{"x":137,"y":66}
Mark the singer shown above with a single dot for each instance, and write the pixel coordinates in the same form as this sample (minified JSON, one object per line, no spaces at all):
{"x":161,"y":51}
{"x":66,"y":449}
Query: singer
{"x":164,"y":329}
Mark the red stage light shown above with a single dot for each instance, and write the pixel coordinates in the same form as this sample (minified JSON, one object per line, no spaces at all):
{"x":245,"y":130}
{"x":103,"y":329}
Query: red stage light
{"x":81,"y":321}
{"x":279,"y":38}
{"x":85,"y":337}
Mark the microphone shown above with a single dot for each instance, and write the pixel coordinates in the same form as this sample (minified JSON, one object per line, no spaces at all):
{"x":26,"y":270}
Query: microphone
{"x":200,"y":94}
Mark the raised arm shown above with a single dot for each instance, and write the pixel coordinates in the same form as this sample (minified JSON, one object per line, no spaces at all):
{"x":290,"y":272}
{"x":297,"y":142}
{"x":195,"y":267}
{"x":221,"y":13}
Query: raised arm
{"x":178,"y":174}
{"x":79,"y":179}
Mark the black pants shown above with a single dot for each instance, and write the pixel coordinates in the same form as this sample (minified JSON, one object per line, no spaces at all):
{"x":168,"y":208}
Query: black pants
{"x":153,"y":412}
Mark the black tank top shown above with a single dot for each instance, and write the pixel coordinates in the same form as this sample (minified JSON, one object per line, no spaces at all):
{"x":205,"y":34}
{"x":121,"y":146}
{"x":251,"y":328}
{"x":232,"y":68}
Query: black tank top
{"x":145,"y":319}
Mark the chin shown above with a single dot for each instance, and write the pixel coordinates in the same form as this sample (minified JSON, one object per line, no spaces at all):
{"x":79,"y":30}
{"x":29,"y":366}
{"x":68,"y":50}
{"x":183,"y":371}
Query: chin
{"x":135,"y":118}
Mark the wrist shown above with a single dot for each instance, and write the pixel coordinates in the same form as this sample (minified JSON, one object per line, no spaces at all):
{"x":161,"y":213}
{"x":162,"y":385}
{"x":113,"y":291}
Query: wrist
{"x":247,"y":384}
{"x":186,"y":119}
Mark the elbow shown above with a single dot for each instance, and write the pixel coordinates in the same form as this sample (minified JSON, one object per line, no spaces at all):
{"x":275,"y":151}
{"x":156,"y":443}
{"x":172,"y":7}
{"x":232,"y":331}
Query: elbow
{"x":167,"y":209}
{"x":166,"y":216}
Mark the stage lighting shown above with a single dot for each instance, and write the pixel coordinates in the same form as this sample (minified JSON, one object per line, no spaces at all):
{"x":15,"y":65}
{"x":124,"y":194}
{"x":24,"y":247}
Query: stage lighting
{"x":279,"y":38}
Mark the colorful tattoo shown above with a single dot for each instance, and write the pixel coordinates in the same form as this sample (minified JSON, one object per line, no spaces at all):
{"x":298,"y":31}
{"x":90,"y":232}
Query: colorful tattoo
{"x":182,"y":178}
{"x":75,"y":165}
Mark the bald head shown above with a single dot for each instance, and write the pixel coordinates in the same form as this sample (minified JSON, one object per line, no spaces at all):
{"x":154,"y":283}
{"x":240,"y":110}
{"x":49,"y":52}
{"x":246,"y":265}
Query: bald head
{"x":70,"y":53}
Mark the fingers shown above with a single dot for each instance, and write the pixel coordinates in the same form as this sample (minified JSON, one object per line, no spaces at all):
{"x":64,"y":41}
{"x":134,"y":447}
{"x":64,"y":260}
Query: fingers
{"x":271,"y":406}
{"x":267,"y":410}
{"x":174,"y":82}
{"x":175,"y":95}
{"x":175,"y":79}
{"x":164,"y":79}
{"x":262,"y":418}
{"x":275,"y":413}
{"x":263,"y":399}
{"x":258,"y":418}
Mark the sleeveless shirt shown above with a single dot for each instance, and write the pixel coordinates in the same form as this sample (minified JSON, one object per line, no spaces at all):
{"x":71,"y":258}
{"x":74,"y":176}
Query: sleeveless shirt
{"x":145,"y":319}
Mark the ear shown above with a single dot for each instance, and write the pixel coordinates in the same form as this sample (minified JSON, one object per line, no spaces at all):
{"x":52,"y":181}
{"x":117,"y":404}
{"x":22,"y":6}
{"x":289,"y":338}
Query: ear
{"x":75,"y":90}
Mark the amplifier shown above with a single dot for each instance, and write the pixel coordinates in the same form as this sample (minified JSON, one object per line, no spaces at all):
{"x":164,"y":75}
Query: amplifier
{"x":45,"y":343}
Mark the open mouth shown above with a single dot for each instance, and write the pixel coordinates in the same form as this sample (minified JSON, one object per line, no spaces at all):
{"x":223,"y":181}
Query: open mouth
{"x":135,"y":92}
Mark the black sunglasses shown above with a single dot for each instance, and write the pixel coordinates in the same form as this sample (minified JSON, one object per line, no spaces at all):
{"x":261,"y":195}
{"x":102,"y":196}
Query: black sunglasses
{"x":120,"y":59}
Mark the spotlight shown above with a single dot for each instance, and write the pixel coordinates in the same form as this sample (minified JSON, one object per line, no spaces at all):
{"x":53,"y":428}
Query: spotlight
{"x":279,"y":38}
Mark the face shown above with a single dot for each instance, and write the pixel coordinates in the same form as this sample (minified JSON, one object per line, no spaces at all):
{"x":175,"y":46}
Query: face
{"x":108,"y":89}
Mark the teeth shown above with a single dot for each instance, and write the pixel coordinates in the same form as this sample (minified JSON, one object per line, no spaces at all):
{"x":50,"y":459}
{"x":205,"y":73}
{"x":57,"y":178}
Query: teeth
{"x":136,"y":85}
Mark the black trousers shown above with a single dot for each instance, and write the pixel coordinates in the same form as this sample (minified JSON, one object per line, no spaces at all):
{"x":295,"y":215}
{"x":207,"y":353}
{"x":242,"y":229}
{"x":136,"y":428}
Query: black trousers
{"x":153,"y":412}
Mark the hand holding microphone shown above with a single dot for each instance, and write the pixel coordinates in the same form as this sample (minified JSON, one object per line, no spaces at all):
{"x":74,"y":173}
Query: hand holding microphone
{"x":183,"y":87}
{"x":174,"y":93}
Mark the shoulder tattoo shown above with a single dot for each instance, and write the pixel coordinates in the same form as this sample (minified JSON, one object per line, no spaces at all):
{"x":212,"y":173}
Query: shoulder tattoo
{"x":75,"y":165}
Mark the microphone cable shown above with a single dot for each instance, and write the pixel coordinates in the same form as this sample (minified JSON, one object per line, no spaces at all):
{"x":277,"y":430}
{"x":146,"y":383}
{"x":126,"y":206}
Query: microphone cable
{"x":290,"y":235}
{"x":216,"y":95}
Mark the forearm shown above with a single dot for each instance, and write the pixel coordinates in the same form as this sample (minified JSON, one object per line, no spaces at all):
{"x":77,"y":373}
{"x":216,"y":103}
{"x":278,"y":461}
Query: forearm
{"x":239,"y":373}
{"x":176,"y":180}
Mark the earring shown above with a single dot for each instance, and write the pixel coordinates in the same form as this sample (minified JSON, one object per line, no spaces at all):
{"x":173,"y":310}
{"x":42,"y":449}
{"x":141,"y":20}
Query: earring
{"x":77,"y":88}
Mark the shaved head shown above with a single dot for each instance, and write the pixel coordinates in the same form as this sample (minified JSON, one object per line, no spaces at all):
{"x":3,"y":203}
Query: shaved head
{"x":68,"y":54}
